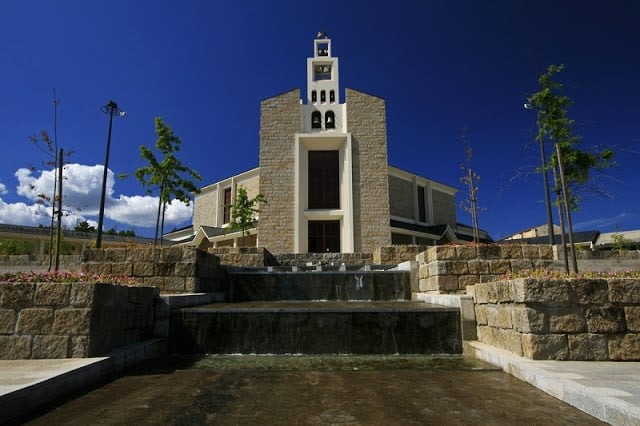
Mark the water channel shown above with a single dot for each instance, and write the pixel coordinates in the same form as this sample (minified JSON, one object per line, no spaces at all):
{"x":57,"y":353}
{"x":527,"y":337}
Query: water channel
{"x":314,"y":390}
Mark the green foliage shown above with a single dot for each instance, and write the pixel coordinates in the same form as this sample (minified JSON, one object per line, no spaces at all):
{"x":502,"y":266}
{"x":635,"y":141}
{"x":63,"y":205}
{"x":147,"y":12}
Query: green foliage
{"x":620,"y":243}
{"x":127,"y":233}
{"x":167,"y":175}
{"x":243,"y":211}
{"x":13,"y":247}
{"x":84,"y":227}
{"x":554,"y":124}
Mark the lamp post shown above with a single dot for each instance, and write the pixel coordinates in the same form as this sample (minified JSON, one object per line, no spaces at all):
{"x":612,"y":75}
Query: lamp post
{"x":111,"y":108}
{"x":545,"y":180}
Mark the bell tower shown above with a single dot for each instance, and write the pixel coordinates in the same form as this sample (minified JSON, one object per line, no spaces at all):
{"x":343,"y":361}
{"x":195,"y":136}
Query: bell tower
{"x":323,"y":216}
{"x":323,"y":89}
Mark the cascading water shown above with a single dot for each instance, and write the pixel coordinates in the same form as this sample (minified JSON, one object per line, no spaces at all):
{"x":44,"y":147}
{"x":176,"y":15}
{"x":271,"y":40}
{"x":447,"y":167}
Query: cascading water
{"x":319,"y":312}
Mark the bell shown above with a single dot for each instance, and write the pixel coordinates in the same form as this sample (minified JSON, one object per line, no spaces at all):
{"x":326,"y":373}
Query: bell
{"x":329,"y":120}
{"x":316,"y":120}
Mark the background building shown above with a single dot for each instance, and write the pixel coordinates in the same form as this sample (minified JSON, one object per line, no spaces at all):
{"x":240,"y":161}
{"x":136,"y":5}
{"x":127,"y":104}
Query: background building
{"x":325,"y":175}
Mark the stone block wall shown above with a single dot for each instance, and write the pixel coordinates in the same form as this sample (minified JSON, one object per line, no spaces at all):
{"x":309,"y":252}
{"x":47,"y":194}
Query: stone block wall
{"x":252,"y":257}
{"x":401,"y":197}
{"x":568,"y":319}
{"x":336,"y":259}
{"x":444,"y":207}
{"x":279,"y":122}
{"x":450,"y":269}
{"x":72,"y":320}
{"x":205,"y":208}
{"x":258,"y":257}
{"x":368,"y":127}
{"x":393,"y":255}
{"x":170,"y":269}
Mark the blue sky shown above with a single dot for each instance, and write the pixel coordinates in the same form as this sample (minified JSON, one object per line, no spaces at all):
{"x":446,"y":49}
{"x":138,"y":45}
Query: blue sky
{"x":204,"y":66}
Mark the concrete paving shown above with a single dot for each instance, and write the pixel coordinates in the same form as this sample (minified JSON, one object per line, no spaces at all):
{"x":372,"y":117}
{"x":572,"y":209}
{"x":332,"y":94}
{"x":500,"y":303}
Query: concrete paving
{"x":609,"y":391}
{"x":26,"y":385}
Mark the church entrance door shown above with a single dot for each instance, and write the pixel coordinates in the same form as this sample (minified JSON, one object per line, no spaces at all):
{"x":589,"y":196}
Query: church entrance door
{"x":324,"y":236}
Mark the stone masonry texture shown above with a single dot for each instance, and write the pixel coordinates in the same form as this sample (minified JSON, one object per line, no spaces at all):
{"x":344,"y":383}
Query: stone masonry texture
{"x":170,"y":269}
{"x":63,"y":320}
{"x":452,"y":268}
{"x":561,"y":319}
{"x":279,"y":122}
{"x":368,"y":126}
{"x":204,"y":209}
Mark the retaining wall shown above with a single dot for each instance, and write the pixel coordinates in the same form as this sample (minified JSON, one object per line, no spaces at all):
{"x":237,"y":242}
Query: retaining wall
{"x":63,"y":320}
{"x":393,"y":255}
{"x":259,"y":257}
{"x":173,"y":270}
{"x":568,"y":319}
{"x":450,"y":269}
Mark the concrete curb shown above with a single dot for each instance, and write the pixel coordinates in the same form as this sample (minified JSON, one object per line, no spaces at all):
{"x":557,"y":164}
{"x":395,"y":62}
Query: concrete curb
{"x":609,"y":391}
{"x":28,"y":385}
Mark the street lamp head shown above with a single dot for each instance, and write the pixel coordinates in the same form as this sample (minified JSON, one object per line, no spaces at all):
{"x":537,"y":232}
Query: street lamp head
{"x":528,"y":106}
{"x":111,"y":108}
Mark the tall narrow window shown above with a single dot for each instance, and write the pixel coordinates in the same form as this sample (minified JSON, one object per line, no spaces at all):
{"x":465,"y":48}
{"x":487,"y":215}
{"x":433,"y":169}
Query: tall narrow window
{"x":324,"y":180}
{"x":227,"y":206}
{"x":316,"y":120}
{"x":314,"y":96}
{"x":323,"y":96}
{"x":329,"y":120}
{"x":422,"y":208}
{"x":332,"y":96}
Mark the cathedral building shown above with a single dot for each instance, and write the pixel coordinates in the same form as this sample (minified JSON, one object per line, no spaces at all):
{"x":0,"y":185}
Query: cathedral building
{"x":324,"y":173}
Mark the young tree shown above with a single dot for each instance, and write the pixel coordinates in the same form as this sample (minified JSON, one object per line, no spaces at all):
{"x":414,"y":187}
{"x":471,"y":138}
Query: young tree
{"x":169,"y":176}
{"x":244,"y":210}
{"x":56,"y":160}
{"x":470,"y":178}
{"x":571,"y":166}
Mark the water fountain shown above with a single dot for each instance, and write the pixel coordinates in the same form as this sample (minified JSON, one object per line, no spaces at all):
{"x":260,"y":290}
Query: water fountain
{"x":317,"y":310}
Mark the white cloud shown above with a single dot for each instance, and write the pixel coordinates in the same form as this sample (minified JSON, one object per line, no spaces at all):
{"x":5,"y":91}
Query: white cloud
{"x":603,"y":222}
{"x":82,"y":186}
{"x":3,"y":189}
{"x":140,"y":210}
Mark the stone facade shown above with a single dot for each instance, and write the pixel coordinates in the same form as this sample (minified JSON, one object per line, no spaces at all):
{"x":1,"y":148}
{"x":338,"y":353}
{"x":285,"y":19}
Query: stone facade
{"x":368,"y":126}
{"x":209,"y":204}
{"x":172,"y":269}
{"x":204,"y":212}
{"x":279,"y":122}
{"x":444,"y":208}
{"x":568,"y":319}
{"x":401,"y":197}
{"x":452,"y":268}
{"x":63,"y":320}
